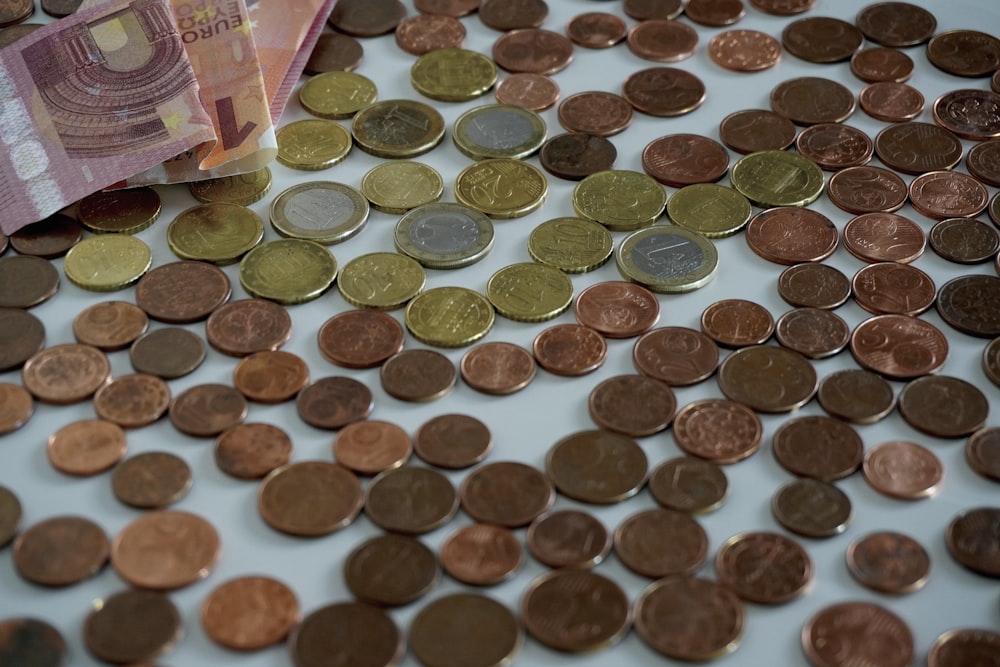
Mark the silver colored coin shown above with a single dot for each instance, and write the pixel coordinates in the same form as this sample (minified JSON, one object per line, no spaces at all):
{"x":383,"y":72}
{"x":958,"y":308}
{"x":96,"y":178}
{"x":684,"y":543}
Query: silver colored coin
{"x":668,"y":259}
{"x":444,"y":235}
{"x":320,"y":211}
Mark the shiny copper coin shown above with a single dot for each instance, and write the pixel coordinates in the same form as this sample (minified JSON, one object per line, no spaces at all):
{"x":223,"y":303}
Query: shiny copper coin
{"x":132,"y":626}
{"x":973,"y":540}
{"x":271,"y":376}
{"x":367,"y":18}
{"x":249,"y":613}
{"x":596,"y":30}
{"x":481,"y":554}
{"x":61,"y":551}
{"x":595,"y":113}
{"x":783,"y":7}
{"x":359,"y":633}
{"x":819,"y":447}
{"x":597,"y":466}
{"x":151,"y":480}
{"x":809,"y":100}
{"x":903,"y":470}
{"x":689,"y":618}
{"x":718,"y":430}
{"x":982,"y":452}
{"x":535,"y":92}
{"x":918,"y":148}
{"x":963,"y":646}
{"x":812,"y":508}
{"x":50,"y":238}
{"x":452,"y":630}
{"x":568,"y":539}
{"x":644,"y":10}
{"x":744,"y":50}
{"x":32,"y":642}
{"x":333,"y":402}
{"x":896,"y":23}
{"x":576,"y":155}
{"x":660,"y":542}
{"x":948,"y":194}
{"x":370,"y":446}
{"x":755,"y":130}
{"x":165,"y":549}
{"x":169,"y":353}
{"x":617,"y":309}
{"x":10,"y":515}
{"x":856,"y":395}
{"x":967,"y":53}
{"x":969,"y":304}
{"x":26,"y":281}
{"x":737,"y":323}
{"x":768,"y":378}
{"x":86,"y":447}
{"x":410,"y":500}
{"x":900,"y":347}
{"x":891,"y":102}
{"x":360,"y":338}
{"x":983,"y":162}
{"x":243,"y":327}
{"x":64,"y":374}
{"x":575,"y":611}
{"x":689,"y":484}
{"x":857,"y":631}
{"x":16,"y":407}
{"x":684,"y":159}
{"x":822,"y":39}
{"x":497,"y":368}
{"x":532,"y":50}
{"x":182,"y":292}
{"x":309,"y":498}
{"x":662,"y":41}
{"x":453,"y":441}
{"x":664,"y":91}
{"x":418,"y":375}
{"x":676,"y":355}
{"x":251,"y":451}
{"x":814,"y":286}
{"x":867,"y":189}
{"x":334,"y":52}
{"x":943,"y":406}
{"x":791,"y":235}
{"x":881,"y":63}
{"x":132,"y":401}
{"x":633,"y":405}
{"x":512,"y":14}
{"x":835,"y":146}
{"x":569,"y":349}
{"x":890,"y":287}
{"x":424,"y":33}
{"x":812,"y":332}
{"x":391,"y":570}
{"x":206,"y":410}
{"x":715,"y":13}
{"x":889,"y":562}
{"x":884,"y":237}
{"x":110,"y":325}
{"x":765,"y":568}
{"x":507,"y":493}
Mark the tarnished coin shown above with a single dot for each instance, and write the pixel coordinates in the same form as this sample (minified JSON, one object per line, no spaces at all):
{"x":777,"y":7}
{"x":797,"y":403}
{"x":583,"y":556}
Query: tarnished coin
{"x":367,"y":18}
{"x":182,"y":292}
{"x":881,"y":63}
{"x":982,"y":452}
{"x":206,"y":410}
{"x":969,"y":303}
{"x":86,"y":447}
{"x":360,"y":633}
{"x":765,"y":568}
{"x":132,"y":401}
{"x":890,"y":287}
{"x":884,"y":237}
{"x":29,"y":641}
{"x":744,"y":50}
{"x":271,"y":376}
{"x":719,"y":430}
{"x":243,"y":327}
{"x":410,"y":500}
{"x":812,"y":508}
{"x":643,"y":10}
{"x":465,"y":629}
{"x":453,"y":441}
{"x":664,"y":91}
{"x":481,"y":554}
{"x":943,"y":406}
{"x":251,"y":451}
{"x":814,"y":285}
{"x":61,"y":551}
{"x":958,"y":647}
{"x":50,"y":238}
{"x":568,"y":539}
{"x":812,"y":332}
{"x":536,"y":92}
{"x":662,"y":40}
{"x":967,"y":53}
{"x":497,"y":368}
{"x":900,"y":347}
{"x":676,"y":355}
{"x":898,"y":24}
{"x":596,"y":30}
{"x":249,"y":613}
{"x":867,"y":189}
{"x":973,"y":540}
{"x":309,"y":498}
{"x":575,"y":610}
{"x":507,"y":493}
{"x":768,"y":378}
{"x":132,"y":626}
{"x":391,"y":570}
{"x":16,"y":407}
{"x":857,"y":631}
{"x":983,"y":162}
{"x":532,"y":49}
{"x":10,"y":515}
{"x":633,"y":405}
{"x":891,"y":102}
{"x":736,"y":323}
{"x":964,"y":241}
{"x":809,"y":100}
{"x":753,"y":130}
{"x":678,"y":160}
{"x":418,"y":375}
{"x":792,"y":235}
{"x":917,"y":148}
{"x":151,"y":480}
{"x":835,"y":146}
{"x":370,"y":446}
{"x":689,"y":484}
{"x":360,"y":338}
{"x":991,"y":358}
{"x":170,"y":352}
{"x":822,"y":39}
{"x":597,"y":466}
{"x":513,"y":14}
{"x":569,"y":349}
{"x":26,"y":281}
{"x":165,"y":549}
{"x":22,"y":335}
{"x":819,"y":447}
{"x":333,"y":402}
{"x":428,"y":32}
{"x":660,"y":542}
{"x":903,"y":470}
{"x":110,"y":325}
{"x":67,"y":373}
{"x":889,"y":562}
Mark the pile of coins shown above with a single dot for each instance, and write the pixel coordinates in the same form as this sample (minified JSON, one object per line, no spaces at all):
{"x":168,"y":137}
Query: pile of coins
{"x":324,"y":378}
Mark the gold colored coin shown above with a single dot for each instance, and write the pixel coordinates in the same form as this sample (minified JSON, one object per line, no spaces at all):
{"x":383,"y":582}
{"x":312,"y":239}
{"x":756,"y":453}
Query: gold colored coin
{"x":337,"y":94}
{"x":381,"y":280}
{"x":288,"y":271}
{"x":449,"y":316}
{"x":620,"y":199}
{"x":320,"y":211}
{"x":529,"y":292}
{"x":453,"y":75}
{"x":107,"y":262}
{"x":714,"y":211}
{"x":572,"y":245}
{"x":667,"y":259}
{"x":501,"y":188}
{"x":397,"y":128}
{"x":312,"y":144}
{"x":397,"y":187}
{"x":119,"y":211}
{"x":499,"y":130}
{"x":220,"y":232}
{"x":242,"y":189}
{"x":444,"y":235}
{"x":777,"y":178}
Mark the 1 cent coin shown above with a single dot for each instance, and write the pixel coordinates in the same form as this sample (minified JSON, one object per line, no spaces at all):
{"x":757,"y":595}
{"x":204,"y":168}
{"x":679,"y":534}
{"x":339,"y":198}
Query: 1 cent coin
{"x":597,"y":466}
{"x":568,"y":539}
{"x":889,"y":562}
{"x":206,"y":410}
{"x":857,"y":631}
{"x":61,"y":551}
{"x":973,"y":540}
{"x":814,"y":285}
{"x":132,"y":626}
{"x":370,"y":446}
{"x":270,"y":376}
{"x":659,"y":542}
{"x":86,"y":447}
{"x":359,"y":633}
{"x":765,"y":568}
{"x":719,"y":430}
{"x":507,"y":493}
{"x":903,"y":470}
{"x":453,"y":441}
{"x":169,"y":353}
{"x":497,"y":368}
{"x":969,"y":303}
{"x":465,"y":629}
{"x":151,"y":480}
{"x":360,"y":338}
{"x":481,"y":554}
{"x":689,"y":484}
{"x":251,"y":451}
{"x":165,"y":549}
{"x":16,"y":407}
{"x":29,"y":641}
{"x":391,"y":570}
{"x":812,"y":508}
{"x":570,"y":349}
{"x":333,"y":402}
{"x":110,"y":325}
{"x":410,"y":500}
{"x":309,"y":498}
{"x":737,"y":323}
{"x":575,"y":610}
{"x":418,"y":375}
{"x":633,"y":405}
{"x":249,"y":613}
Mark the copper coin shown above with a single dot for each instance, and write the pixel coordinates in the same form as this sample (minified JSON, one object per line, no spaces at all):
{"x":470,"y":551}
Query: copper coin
{"x":783,"y":7}
{"x":453,"y":441}
{"x":22,"y":335}
{"x":249,"y":613}
{"x":26,"y":281}
{"x":424,"y":33}
{"x":819,"y":447}
{"x":633,"y":405}
{"x":983,"y":162}
{"x":31,"y":642}
{"x":962,"y":647}
{"x":86,"y":447}
{"x":410,"y":500}
{"x":715,"y":13}
{"x":856,"y":395}
{"x":644,"y":10}
{"x":918,"y":148}
{"x":903,"y":470}
{"x":271,"y":376}
{"x":418,"y":375}
{"x":881,"y":63}
{"x":595,"y":113}
{"x":660,"y":542}
{"x":575,"y":611}
{"x":867,"y":189}
{"x":182,"y":292}
{"x":809,"y":100}
{"x":973,"y":540}
{"x":967,"y":53}
{"x":822,"y":39}
{"x":889,"y":562}
{"x":689,"y":484}
{"x":676,"y":355}
{"x":664,"y":91}
{"x":689,"y":618}
{"x":391,"y":570}
{"x":360,"y":338}
{"x":964,"y":241}
{"x":859,"y":632}
{"x":16,"y":407}
{"x":309,"y":498}
{"x":334,"y":52}
{"x":765,"y":568}
{"x":991,"y":359}
{"x":900,"y":347}
{"x":744,"y":50}
{"x":243,"y":327}
{"x":531,"y":50}
{"x":61,"y":551}
{"x":165,"y":549}
{"x":481,"y":554}
{"x":896,"y":23}
{"x":10,"y":515}
{"x":684,"y":159}
{"x":617,"y":309}
{"x":151,"y":480}
{"x":333,"y":402}
{"x":835,"y":146}
{"x":206,"y":410}
{"x":367,"y":18}
{"x":507,"y":493}
{"x":132,"y":401}
{"x":132,"y":626}
{"x":497,"y":368}
{"x":948,"y":194}
{"x":536,"y":92}
{"x":110,"y":325}
{"x":357,"y":633}
{"x":662,"y":41}
{"x":812,"y":508}
{"x":64,"y":374}
{"x":884,"y":237}
{"x":596,"y":30}
{"x":453,"y":8}
{"x":251,"y":451}
{"x":767,"y":378}
{"x":891,"y":102}
{"x":597,"y":466}
{"x":50,"y":238}
{"x":718,"y":430}
{"x":791,"y":235}
{"x":507,"y":15}
{"x":569,"y":349}
{"x":170,"y":352}
{"x":465,"y":629}
{"x":890,"y":287}
{"x":814,"y":286}
{"x":737,"y":323}
{"x":755,"y":130}
{"x":969,"y":304}
{"x":814,"y":333}
{"x":982,"y":452}
{"x":568,"y":539}
{"x":370,"y":446}
{"x":943,"y":406}
{"x":576,"y":155}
